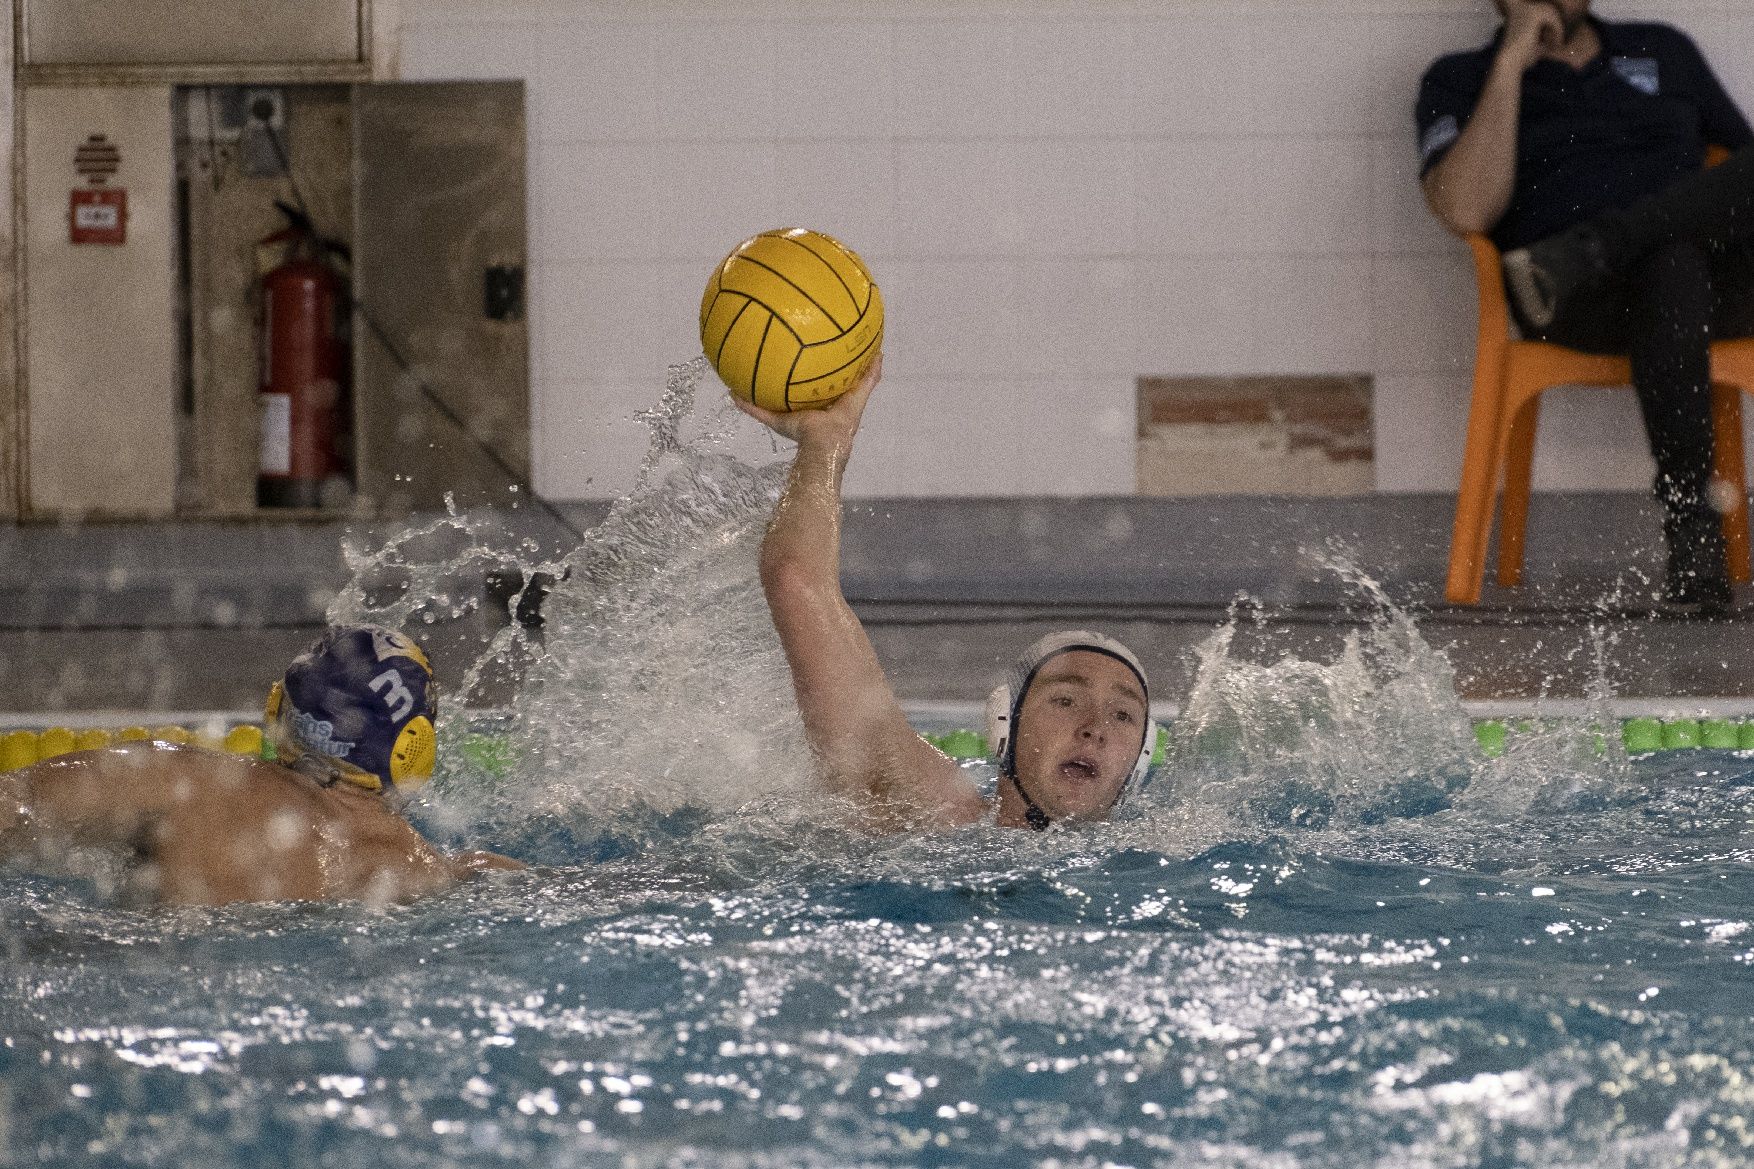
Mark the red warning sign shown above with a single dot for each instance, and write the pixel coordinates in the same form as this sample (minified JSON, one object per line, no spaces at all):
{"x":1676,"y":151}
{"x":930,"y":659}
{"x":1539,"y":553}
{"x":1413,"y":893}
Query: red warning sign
{"x":99,"y":215}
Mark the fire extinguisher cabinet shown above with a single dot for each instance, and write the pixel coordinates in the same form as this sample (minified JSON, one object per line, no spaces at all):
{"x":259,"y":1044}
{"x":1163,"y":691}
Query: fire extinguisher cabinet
{"x":369,"y":381}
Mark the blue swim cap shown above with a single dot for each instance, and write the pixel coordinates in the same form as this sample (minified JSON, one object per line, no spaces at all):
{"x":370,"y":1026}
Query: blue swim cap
{"x":358,"y":705}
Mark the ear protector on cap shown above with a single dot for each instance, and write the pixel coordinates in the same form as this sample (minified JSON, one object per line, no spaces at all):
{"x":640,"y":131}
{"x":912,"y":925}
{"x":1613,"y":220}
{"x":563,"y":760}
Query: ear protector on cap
{"x":1007,"y":699}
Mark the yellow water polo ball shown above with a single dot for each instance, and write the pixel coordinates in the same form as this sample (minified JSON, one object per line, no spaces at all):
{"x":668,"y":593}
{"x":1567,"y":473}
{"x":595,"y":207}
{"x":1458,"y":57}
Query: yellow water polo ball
{"x":791,"y":319}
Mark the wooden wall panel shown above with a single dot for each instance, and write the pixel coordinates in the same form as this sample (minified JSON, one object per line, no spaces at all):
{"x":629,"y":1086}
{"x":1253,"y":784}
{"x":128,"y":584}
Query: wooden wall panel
{"x":229,"y":210}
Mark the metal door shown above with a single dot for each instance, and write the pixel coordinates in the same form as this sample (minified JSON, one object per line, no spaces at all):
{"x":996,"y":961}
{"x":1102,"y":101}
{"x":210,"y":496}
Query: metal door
{"x":440,"y":347}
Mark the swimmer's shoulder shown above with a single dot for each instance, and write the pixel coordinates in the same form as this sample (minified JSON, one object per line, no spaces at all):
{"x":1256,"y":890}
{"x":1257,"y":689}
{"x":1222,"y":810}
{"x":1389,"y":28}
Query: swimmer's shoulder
{"x":187,"y":770}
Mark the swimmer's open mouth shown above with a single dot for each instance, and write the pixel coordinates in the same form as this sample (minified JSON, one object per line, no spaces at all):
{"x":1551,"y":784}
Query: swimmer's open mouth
{"x":1079,"y":769}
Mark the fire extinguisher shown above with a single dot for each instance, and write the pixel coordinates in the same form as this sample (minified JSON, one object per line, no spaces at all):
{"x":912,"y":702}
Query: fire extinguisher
{"x":304,"y":364}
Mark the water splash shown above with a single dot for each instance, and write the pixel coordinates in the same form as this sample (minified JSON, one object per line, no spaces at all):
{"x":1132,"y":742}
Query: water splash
{"x":1379,"y":732}
{"x":427,"y":579}
{"x":655,"y":686}
{"x":656,"y":700}
{"x":1295,"y":743}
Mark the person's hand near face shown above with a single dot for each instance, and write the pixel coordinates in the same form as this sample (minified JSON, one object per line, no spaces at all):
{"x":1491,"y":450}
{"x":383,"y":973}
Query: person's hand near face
{"x":1532,"y":29}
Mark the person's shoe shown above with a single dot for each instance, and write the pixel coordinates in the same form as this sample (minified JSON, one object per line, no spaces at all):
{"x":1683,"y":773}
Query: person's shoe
{"x":1543,"y":274}
{"x":1697,"y":577}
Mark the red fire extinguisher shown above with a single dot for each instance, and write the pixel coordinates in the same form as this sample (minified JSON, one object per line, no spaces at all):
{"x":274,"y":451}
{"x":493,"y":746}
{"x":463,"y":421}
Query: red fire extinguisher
{"x":304,"y":364}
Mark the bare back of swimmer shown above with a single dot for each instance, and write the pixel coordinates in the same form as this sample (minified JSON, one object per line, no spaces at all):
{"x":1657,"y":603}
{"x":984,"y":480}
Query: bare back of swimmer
{"x":198,"y":827}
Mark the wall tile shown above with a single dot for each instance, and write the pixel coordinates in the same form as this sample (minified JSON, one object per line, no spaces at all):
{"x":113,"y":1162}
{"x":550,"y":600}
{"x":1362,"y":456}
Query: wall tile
{"x":1075,"y":77}
{"x":1724,"y":40}
{"x":1400,"y":220}
{"x":956,"y":78}
{"x":1086,"y":449}
{"x":1075,"y":318}
{"x":1187,"y":80}
{"x":708,"y":201}
{"x":1421,"y":423}
{"x":834,"y":79}
{"x":1426,"y":313}
{"x":1074,"y":198}
{"x":651,"y":200}
{"x":467,"y":52}
{"x":1308,"y":195}
{"x":1055,"y":196}
{"x":844,"y":188}
{"x":918,"y":434}
{"x":950,"y":319}
{"x":1591,"y":439}
{"x":715,"y":78}
{"x":1310,"y":75}
{"x":1010,"y":9}
{"x":987,"y":438}
{"x":958,"y":198}
{"x":1184,"y":190}
{"x":594,"y":81}
{"x":1253,"y":195}
{"x":589,"y":446}
{"x":1194,"y":315}
{"x":621,"y":320}
{"x":1312,"y":314}
{"x":560,"y":177}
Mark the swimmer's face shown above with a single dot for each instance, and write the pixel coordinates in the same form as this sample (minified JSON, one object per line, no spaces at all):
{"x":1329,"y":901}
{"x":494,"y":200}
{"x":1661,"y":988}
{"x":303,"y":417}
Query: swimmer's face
{"x":1079,"y":733}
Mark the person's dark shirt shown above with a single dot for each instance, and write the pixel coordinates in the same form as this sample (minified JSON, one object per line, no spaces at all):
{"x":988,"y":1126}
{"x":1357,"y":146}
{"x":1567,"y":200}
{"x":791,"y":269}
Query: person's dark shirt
{"x":1626,"y":125}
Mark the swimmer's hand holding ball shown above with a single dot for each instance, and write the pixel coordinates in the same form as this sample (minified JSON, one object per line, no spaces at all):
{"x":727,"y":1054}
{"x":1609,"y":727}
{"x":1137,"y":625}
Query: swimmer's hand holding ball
{"x":829,"y":425}
{"x":791,"y":319}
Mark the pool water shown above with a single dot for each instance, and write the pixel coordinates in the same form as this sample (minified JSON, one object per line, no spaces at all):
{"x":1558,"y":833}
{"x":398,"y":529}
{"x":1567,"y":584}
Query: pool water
{"x":1562,"y":989}
{"x":1330,"y":933}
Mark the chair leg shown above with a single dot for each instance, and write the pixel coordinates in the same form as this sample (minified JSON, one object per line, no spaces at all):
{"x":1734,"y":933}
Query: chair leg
{"x":1729,"y":468}
{"x":1474,"y":497}
{"x":1513,"y":512}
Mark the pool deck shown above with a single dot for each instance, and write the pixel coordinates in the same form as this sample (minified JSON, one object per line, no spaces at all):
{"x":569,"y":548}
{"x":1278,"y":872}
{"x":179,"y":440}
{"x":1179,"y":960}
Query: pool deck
{"x":200,"y":616}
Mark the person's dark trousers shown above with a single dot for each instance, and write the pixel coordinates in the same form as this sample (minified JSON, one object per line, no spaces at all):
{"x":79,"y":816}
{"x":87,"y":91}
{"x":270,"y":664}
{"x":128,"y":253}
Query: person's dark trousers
{"x":1680,"y":268}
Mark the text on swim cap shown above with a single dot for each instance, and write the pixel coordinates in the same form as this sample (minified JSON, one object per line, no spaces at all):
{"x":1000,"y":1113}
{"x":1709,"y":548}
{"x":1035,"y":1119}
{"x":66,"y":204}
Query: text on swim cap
{"x":318,"y":735}
{"x":395,"y":693}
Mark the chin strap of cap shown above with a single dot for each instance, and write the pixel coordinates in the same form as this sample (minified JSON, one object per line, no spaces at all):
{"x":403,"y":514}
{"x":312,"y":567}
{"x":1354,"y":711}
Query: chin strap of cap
{"x":1037,"y":819}
{"x":1005,"y":703}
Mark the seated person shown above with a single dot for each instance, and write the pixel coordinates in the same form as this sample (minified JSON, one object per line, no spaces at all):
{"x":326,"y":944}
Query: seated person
{"x":1577,"y":144}
{"x":1072,"y":730}
{"x":352,"y":724}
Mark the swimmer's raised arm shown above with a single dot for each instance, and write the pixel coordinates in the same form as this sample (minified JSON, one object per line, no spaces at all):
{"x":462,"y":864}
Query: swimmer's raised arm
{"x":856,"y":728}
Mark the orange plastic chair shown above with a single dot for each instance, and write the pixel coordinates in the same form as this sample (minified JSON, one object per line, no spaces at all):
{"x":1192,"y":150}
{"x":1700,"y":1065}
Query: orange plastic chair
{"x":1509,"y":377}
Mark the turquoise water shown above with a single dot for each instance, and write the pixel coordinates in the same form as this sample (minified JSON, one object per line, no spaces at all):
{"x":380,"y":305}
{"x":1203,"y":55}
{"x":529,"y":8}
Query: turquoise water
{"x":1567,"y":988}
{"x":1330,"y":932}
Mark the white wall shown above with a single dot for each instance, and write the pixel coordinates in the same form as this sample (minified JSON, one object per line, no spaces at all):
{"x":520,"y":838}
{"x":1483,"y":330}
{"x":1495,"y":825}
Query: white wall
{"x":1056,"y":196}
